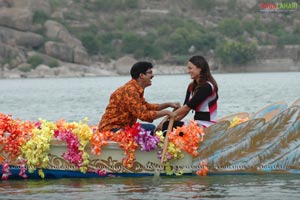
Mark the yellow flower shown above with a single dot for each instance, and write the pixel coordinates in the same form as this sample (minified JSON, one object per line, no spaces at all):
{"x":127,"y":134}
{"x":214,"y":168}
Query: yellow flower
{"x":36,"y":150}
{"x":168,"y":168}
{"x":41,"y":173}
{"x":236,"y":120}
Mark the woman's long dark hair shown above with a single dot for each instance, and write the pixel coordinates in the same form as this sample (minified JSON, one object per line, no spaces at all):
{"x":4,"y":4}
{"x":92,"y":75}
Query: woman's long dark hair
{"x":205,"y":74}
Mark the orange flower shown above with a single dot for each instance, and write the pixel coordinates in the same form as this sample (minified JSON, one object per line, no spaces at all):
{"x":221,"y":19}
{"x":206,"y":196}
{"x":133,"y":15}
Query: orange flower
{"x":204,"y":169}
{"x":13,"y":134}
{"x":187,"y":137}
{"x":100,"y":139}
{"x":62,"y":125}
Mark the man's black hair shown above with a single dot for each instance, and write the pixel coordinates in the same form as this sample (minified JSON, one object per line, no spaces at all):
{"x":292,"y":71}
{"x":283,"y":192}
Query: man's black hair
{"x":140,"y":67}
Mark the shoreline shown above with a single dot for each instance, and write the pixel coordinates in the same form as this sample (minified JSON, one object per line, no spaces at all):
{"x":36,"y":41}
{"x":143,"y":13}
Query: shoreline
{"x":44,"y":71}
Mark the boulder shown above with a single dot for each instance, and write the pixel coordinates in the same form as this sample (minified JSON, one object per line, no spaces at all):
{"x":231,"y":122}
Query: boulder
{"x":7,"y":51}
{"x":81,"y":56}
{"x":98,"y":71}
{"x":42,"y":71}
{"x":24,"y":67}
{"x":248,"y":18}
{"x":46,"y":58}
{"x":13,"y":37}
{"x":246,"y":4}
{"x":7,"y":35}
{"x":16,"y":18}
{"x":33,"y":5}
{"x":59,"y":50}
{"x":66,"y":53}
{"x":18,"y":59}
{"x":67,"y":38}
{"x":29,"y":39}
{"x":64,"y":71}
{"x":124,"y":64}
{"x":58,"y":14}
{"x":4,"y":3}
{"x":55,"y":30}
{"x":11,"y":74}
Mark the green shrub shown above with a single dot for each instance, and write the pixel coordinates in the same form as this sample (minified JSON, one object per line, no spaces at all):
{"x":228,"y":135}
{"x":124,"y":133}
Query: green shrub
{"x":289,"y":39}
{"x":111,"y":5}
{"x":204,"y":4}
{"x":131,"y":42}
{"x":231,"y":28}
{"x":232,"y":52}
{"x":35,"y":60}
{"x":131,"y":3}
{"x":39,"y":17}
{"x":231,"y":5}
{"x":148,"y":51}
{"x":297,"y":28}
{"x":249,"y":26}
{"x":110,"y":44}
{"x":205,"y":42}
{"x":274,"y":28}
{"x":25,"y":68}
{"x":90,"y":42}
{"x":181,"y":60}
{"x":7,"y":60}
{"x":140,"y":46}
{"x":178,"y":41}
{"x":57,"y":3}
{"x":52,"y":63}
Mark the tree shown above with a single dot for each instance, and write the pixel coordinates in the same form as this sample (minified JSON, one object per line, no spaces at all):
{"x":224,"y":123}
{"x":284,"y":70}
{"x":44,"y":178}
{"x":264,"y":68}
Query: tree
{"x":232,"y":52}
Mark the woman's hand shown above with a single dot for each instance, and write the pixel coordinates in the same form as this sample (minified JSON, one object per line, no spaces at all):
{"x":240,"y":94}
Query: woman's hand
{"x":159,"y":126}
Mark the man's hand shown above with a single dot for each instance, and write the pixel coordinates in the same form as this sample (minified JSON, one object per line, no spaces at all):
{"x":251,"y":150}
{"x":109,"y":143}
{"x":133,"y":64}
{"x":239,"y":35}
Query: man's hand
{"x":175,"y":105}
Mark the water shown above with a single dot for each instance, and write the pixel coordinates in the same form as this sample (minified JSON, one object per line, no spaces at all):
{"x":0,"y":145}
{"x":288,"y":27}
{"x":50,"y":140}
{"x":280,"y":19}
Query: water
{"x":76,"y":98}
{"x":210,"y":187}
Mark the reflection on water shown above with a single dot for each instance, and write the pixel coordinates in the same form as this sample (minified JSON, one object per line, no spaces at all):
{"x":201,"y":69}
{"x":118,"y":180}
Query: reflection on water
{"x":188,"y":187}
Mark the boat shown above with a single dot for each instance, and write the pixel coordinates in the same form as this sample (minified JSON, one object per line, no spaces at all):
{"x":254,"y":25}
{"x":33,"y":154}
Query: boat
{"x":108,"y":164}
{"x":263,"y":142}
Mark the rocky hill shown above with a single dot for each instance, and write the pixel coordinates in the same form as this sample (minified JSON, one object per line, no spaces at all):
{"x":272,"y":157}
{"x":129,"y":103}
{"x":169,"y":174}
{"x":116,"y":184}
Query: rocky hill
{"x":52,"y":38}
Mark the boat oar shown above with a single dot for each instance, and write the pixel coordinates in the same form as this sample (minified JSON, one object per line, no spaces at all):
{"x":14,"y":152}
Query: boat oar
{"x":166,"y":143}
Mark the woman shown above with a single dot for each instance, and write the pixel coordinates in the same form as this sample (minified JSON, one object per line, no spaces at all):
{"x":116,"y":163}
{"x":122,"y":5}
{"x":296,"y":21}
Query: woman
{"x":201,"y":95}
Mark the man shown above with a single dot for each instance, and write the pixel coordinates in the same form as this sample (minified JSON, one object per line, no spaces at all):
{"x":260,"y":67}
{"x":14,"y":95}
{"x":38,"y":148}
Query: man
{"x":127,"y":103}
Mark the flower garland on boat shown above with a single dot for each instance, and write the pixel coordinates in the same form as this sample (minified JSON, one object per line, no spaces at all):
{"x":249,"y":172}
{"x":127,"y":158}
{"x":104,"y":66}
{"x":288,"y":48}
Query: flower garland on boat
{"x":100,"y":139}
{"x":186,"y":137}
{"x":172,"y":153}
{"x":84,"y":134}
{"x":29,"y":143}
{"x":13,"y":134}
{"x":129,"y":139}
{"x":126,"y":139}
{"x":36,"y":149}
